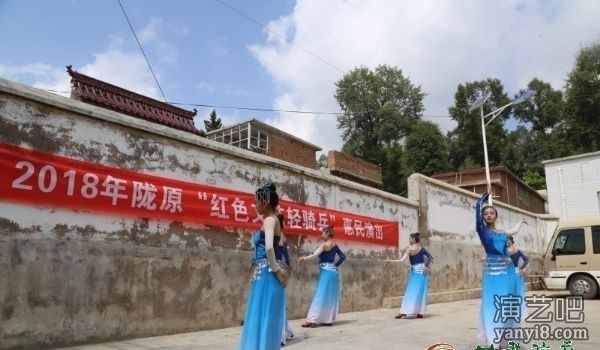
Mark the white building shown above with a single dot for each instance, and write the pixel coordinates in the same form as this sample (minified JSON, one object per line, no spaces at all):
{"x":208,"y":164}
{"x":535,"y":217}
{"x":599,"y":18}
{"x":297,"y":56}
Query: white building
{"x":573,"y":185}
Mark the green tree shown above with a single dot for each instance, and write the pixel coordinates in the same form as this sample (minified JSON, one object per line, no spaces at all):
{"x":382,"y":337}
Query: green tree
{"x":379,"y":107}
{"x":394,"y":173}
{"x":524,"y":151}
{"x":213,"y":123}
{"x":531,"y":143}
{"x":582,"y":102}
{"x":544,"y":110}
{"x":466,"y":139}
{"x":535,"y":180}
{"x":426,"y":149}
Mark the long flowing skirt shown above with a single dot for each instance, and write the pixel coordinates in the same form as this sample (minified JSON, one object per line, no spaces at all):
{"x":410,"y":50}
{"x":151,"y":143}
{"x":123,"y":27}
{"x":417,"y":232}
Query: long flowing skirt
{"x":263,"y":323}
{"x":286,"y":331}
{"x":325,"y":304}
{"x":498,"y":301}
{"x":415,"y":296}
{"x":522,"y":292}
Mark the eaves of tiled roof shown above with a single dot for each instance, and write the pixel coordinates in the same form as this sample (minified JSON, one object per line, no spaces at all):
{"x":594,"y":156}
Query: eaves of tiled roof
{"x":102,"y":94}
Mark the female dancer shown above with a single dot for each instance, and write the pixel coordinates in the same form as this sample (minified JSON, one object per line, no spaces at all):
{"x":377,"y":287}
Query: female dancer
{"x":266,"y":304}
{"x":515,"y":255}
{"x":325,"y":304}
{"x":283,"y":259}
{"x":415,"y":297}
{"x":499,"y":278}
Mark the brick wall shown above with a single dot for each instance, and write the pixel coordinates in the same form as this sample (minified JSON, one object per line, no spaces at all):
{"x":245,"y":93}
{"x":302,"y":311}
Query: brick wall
{"x":354,"y":169}
{"x":292,"y":151}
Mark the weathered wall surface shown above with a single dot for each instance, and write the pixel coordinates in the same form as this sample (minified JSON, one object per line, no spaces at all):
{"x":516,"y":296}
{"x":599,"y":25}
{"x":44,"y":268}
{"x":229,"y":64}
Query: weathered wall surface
{"x":72,"y":276}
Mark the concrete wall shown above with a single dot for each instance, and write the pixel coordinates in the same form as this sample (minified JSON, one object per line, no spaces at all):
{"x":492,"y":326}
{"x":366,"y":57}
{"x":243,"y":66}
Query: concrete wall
{"x":70,"y":276}
{"x":573,"y":185}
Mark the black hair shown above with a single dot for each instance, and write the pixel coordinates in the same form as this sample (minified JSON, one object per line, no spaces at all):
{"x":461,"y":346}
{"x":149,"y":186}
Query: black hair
{"x":487,"y":207}
{"x":511,"y":239}
{"x":280,"y":218}
{"x":416,"y":236}
{"x":268,"y":193}
{"x":328,"y":230}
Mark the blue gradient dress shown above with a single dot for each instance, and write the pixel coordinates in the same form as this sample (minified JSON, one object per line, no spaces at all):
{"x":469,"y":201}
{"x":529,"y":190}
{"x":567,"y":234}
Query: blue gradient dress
{"x":521,"y":290}
{"x":263,"y":323}
{"x":499,"y":280}
{"x":283,"y":259}
{"x":325,"y":304}
{"x":415,"y":296}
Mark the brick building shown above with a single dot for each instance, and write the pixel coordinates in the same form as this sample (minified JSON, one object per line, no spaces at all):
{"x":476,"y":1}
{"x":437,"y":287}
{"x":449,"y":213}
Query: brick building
{"x":506,"y":187}
{"x":99,"y":93}
{"x":259,"y":137}
{"x":354,"y":169}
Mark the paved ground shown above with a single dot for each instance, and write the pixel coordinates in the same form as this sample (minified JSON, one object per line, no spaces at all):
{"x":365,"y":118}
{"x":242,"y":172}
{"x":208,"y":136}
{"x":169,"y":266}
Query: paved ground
{"x":454,"y":323}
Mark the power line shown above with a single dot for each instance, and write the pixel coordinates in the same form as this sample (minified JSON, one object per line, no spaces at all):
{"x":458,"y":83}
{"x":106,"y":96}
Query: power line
{"x":280,"y":36}
{"x":281,"y":110}
{"x":257,"y":109}
{"x":142,"y":50}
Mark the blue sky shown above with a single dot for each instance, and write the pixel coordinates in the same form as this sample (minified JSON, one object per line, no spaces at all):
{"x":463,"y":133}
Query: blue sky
{"x":205,"y":53}
{"x":198,"y":48}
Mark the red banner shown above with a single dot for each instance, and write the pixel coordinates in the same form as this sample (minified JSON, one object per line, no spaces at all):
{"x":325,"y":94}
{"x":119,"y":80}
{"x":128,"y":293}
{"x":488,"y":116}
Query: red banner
{"x":33,"y":177}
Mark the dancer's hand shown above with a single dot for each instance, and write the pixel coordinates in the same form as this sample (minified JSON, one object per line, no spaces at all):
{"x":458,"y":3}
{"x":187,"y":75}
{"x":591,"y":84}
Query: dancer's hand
{"x":282,"y":277}
{"x":523,"y":221}
{"x":301,"y":260}
{"x":387,"y":263}
{"x":428,"y":270}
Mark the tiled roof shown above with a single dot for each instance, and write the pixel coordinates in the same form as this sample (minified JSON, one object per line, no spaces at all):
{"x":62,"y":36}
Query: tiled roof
{"x":102,"y":94}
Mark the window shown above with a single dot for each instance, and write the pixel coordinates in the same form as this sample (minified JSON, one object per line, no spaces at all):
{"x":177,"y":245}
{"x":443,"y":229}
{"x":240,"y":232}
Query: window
{"x":570,"y":242}
{"x":523,"y":194}
{"x":596,"y":239}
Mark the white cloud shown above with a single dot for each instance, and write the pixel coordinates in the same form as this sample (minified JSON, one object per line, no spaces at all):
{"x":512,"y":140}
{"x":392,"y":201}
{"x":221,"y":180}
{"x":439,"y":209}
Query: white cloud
{"x":115,"y":66}
{"x":120,"y":64}
{"x":437,"y":44}
{"x":206,"y":87}
{"x":158,"y":36}
{"x":41,"y":75}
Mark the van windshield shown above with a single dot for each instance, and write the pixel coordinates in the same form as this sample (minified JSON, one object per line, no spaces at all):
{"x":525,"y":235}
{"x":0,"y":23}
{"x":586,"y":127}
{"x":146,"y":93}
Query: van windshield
{"x":570,"y":241}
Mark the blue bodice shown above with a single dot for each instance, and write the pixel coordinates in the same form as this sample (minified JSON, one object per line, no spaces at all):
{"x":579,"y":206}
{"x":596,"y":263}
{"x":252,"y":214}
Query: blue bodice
{"x":329,"y":256}
{"x":282,"y":254}
{"x":258,"y":239}
{"x":494,"y":243}
{"x":419,"y":258}
{"x":519,"y":255}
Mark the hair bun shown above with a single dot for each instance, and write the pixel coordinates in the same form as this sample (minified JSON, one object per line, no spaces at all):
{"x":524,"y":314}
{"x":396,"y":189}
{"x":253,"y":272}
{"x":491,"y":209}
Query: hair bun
{"x":269,"y":186}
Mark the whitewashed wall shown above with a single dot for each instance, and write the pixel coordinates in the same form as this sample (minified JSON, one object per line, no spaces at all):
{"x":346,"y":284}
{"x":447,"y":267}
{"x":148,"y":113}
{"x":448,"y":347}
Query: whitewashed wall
{"x":573,"y":185}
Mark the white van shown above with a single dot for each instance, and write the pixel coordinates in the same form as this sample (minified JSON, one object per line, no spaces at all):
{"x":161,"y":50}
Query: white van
{"x":572,"y":259}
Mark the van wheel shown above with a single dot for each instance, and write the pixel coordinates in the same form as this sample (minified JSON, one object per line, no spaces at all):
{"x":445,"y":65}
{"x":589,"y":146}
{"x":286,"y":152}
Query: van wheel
{"x":584,"y":286}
